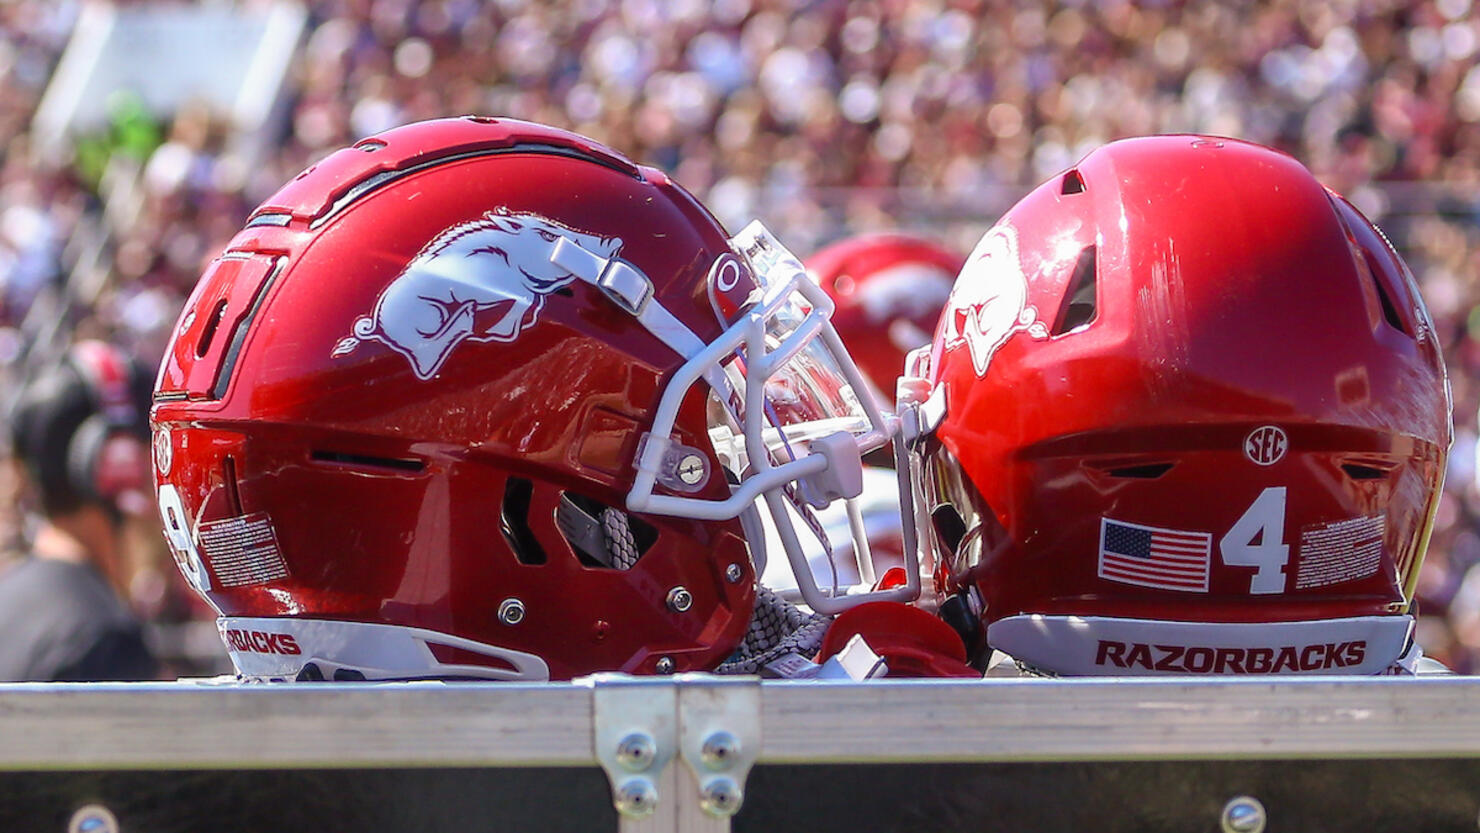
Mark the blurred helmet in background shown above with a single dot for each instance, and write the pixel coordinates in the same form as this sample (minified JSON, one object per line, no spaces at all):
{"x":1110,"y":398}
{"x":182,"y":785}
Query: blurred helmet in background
{"x":482,"y":398}
{"x":889,"y":289}
{"x":1190,"y":416}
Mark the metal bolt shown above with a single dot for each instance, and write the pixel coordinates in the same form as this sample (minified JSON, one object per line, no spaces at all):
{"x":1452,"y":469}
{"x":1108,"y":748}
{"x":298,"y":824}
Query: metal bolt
{"x":93,"y":818}
{"x":721,"y":797}
{"x":511,"y":611}
{"x":733,"y":573}
{"x":664,"y":665}
{"x":720,"y":750}
{"x":691,"y":469}
{"x":637,"y":751}
{"x":1243,"y":814}
{"x":680,"y":599}
{"x":636,"y":798}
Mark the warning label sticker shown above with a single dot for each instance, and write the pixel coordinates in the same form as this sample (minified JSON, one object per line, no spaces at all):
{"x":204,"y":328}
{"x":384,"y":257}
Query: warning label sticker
{"x":243,"y":550}
{"x":1340,"y":551}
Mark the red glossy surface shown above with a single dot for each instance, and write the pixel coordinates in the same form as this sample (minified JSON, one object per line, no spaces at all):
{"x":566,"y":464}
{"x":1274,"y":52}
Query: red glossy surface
{"x":385,"y":489}
{"x":1231,"y":292}
{"x":912,"y":642}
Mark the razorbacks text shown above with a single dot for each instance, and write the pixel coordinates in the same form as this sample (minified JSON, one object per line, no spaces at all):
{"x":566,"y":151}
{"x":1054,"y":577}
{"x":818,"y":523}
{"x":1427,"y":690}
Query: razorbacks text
{"x":261,"y":642}
{"x":1198,"y":659}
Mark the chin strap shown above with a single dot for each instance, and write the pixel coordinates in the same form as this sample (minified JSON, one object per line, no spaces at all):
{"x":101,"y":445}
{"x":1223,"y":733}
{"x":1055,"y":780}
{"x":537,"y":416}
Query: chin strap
{"x":777,"y":629}
{"x":604,"y":535}
{"x":619,"y":542}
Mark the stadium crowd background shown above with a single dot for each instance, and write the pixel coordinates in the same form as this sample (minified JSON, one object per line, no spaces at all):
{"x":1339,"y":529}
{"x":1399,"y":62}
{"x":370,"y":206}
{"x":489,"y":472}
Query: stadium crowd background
{"x":824,"y":118}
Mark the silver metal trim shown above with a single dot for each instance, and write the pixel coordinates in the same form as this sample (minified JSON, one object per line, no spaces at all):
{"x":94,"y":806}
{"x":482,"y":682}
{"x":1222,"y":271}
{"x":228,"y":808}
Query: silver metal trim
{"x":347,"y":725}
{"x":719,"y":737}
{"x":634,"y":733}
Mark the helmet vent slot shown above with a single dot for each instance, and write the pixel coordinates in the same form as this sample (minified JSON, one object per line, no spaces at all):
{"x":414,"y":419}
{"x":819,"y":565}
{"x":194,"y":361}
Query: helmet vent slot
{"x":514,"y":519}
{"x":1389,"y":311}
{"x":1073,"y":183}
{"x":239,"y":334}
{"x":270,"y":219}
{"x":453,"y":655}
{"x":1358,"y":471}
{"x":208,"y":332}
{"x":1079,"y":299}
{"x":950,"y":528}
{"x":228,"y":478}
{"x":1148,"y":471}
{"x":366,"y":461}
{"x":381,"y":178}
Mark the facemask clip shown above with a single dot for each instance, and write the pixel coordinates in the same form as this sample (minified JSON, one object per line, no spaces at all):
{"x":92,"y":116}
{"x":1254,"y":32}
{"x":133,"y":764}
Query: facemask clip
{"x":842,"y":479}
{"x":681,"y":468}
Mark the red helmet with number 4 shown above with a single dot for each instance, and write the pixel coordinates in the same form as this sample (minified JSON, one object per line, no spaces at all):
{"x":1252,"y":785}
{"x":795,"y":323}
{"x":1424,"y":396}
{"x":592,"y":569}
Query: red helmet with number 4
{"x":1189,"y":416}
{"x":889,"y":289}
{"x":482,"y":398}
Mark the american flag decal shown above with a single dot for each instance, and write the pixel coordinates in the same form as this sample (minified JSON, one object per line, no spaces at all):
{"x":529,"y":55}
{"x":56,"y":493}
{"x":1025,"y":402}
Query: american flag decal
{"x":1169,"y":559}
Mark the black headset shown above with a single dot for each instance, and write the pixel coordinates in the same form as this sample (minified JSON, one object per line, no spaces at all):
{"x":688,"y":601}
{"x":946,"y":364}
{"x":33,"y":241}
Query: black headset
{"x":65,"y":418}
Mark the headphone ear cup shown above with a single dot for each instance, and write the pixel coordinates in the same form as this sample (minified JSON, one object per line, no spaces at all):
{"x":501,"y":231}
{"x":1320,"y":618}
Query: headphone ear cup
{"x":83,"y":452}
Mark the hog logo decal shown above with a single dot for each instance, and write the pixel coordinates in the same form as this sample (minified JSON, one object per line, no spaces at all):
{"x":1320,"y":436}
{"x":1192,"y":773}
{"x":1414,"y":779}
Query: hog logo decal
{"x":989,"y":302}
{"x":483,"y":280}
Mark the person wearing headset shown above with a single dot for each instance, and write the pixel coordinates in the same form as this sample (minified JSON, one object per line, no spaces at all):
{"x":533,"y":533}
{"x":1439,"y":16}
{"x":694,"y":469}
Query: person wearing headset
{"x":79,"y":430}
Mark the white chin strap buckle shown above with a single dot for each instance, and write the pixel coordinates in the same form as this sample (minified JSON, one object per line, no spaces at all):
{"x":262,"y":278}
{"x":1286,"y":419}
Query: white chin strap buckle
{"x":621,"y":281}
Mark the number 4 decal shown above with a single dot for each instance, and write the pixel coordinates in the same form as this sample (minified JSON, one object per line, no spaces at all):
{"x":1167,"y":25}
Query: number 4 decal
{"x":1264,"y":522}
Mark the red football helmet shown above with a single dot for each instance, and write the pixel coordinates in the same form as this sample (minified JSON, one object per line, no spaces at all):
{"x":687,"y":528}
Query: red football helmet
{"x":469,"y":399}
{"x":888,"y":289}
{"x":1185,"y":412}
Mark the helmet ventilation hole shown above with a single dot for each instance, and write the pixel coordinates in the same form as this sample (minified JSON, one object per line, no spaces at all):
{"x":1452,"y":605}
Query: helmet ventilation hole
{"x":1073,"y":183}
{"x":243,"y":325}
{"x":228,"y":478}
{"x":950,"y":528}
{"x":1079,"y":306}
{"x":1357,"y":471}
{"x":1370,"y":268}
{"x":514,"y":519}
{"x":208,"y":332}
{"x":1389,"y":311}
{"x":367,"y":461}
{"x":1149,"y":471}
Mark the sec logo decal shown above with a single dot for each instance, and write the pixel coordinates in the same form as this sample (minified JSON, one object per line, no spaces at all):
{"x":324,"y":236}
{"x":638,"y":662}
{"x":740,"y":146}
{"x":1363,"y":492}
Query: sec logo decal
{"x":1266,"y":445}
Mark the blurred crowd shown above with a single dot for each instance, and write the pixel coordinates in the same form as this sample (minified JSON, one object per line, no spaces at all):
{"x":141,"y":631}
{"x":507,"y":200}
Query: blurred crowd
{"x":823,"y":117}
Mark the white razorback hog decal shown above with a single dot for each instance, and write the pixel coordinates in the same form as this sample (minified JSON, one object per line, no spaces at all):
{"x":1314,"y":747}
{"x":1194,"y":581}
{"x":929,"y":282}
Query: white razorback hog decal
{"x":503,"y":259}
{"x":989,"y":303}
